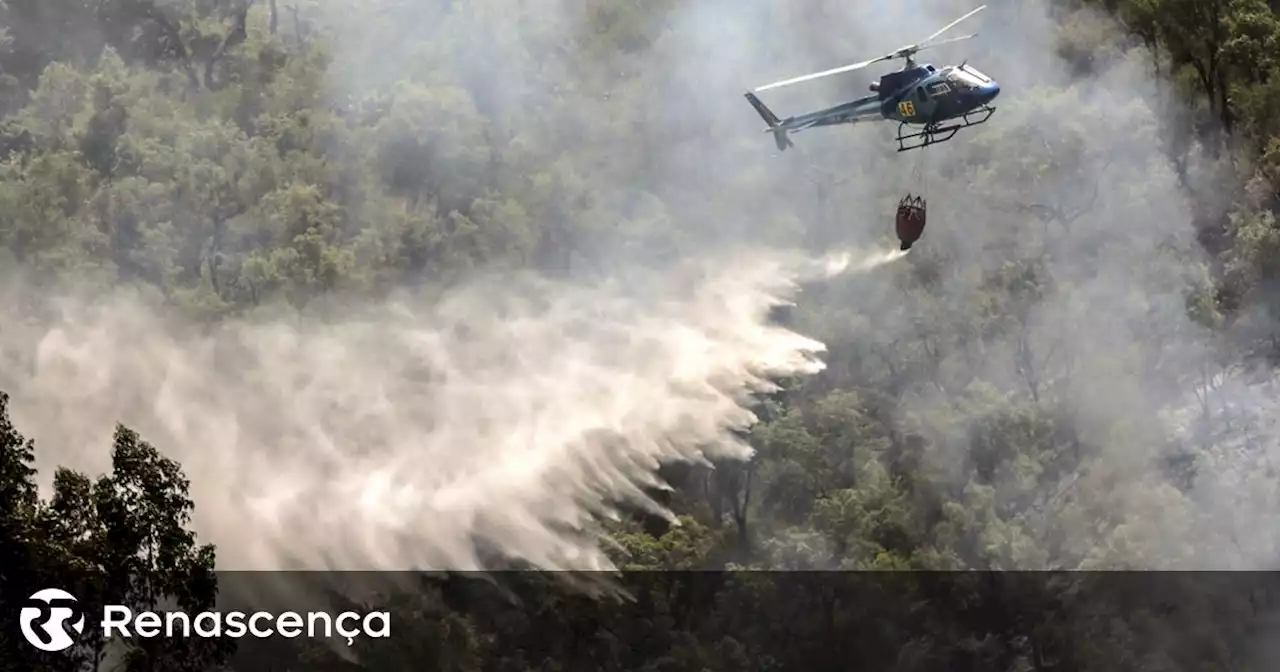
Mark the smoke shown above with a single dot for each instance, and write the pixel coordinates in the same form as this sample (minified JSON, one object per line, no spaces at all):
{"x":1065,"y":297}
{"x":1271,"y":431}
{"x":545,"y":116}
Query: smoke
{"x":1057,"y":267}
{"x":508,"y":415}
{"x":1059,"y":249}
{"x":514,"y":412}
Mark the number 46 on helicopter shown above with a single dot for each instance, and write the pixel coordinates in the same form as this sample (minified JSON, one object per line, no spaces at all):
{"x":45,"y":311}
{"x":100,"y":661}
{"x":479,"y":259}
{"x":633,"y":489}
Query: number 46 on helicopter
{"x":940,"y":100}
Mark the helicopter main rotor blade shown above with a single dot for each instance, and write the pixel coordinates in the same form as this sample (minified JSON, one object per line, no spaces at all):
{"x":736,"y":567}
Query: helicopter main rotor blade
{"x":948,"y":41}
{"x":951,"y":25}
{"x":825,"y":73}
{"x":906,"y":51}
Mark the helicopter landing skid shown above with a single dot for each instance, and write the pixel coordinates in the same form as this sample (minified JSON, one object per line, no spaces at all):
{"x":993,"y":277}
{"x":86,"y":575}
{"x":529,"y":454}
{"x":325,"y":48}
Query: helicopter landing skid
{"x":934,"y":133}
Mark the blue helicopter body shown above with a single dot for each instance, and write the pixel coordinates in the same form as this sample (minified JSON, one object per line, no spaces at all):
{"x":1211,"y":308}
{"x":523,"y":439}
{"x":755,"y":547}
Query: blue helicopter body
{"x":940,"y":101}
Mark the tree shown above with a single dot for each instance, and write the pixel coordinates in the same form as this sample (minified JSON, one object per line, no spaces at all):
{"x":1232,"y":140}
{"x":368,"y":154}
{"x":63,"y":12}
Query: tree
{"x":120,"y":540}
{"x":1050,"y":379}
{"x":20,"y":554}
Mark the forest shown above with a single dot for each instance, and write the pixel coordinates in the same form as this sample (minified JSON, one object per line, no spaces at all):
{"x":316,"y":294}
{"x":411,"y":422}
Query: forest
{"x":524,"y":256}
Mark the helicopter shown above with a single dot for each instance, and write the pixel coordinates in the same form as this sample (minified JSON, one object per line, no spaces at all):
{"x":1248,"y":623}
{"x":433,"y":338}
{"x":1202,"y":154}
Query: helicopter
{"x":940,"y":100}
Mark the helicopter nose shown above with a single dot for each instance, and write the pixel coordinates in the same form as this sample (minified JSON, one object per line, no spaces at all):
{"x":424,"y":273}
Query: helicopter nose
{"x":990,"y":91}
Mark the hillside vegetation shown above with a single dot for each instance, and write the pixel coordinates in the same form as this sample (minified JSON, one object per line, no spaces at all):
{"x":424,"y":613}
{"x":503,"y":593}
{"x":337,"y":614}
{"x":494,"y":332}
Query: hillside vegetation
{"x":1071,"y":369}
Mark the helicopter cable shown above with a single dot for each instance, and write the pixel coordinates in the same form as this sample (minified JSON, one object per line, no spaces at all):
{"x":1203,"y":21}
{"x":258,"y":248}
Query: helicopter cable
{"x":924,"y":176}
{"x":917,"y":173}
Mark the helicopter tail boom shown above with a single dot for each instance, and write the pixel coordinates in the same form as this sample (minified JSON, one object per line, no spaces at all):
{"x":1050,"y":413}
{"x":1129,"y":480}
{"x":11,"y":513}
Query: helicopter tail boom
{"x":775,"y":124}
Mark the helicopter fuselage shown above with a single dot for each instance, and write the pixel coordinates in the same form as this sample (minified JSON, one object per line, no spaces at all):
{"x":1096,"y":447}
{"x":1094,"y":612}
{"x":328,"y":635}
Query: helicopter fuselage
{"x":923,"y":94}
{"x":941,"y":100}
{"x":918,"y":94}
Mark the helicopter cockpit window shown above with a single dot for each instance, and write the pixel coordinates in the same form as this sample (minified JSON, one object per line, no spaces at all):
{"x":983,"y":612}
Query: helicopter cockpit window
{"x":970,"y":70}
{"x":963,"y":80}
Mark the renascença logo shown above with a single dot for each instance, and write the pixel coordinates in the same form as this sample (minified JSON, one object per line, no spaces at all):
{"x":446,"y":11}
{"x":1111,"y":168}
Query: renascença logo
{"x":47,"y":612}
{"x":45,"y":617}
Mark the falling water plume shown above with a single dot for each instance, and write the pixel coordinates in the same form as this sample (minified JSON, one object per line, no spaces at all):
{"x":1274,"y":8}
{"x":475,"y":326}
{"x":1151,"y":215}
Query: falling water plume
{"x":508,"y":415}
